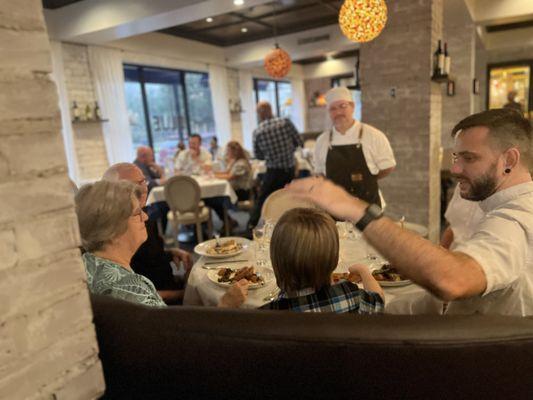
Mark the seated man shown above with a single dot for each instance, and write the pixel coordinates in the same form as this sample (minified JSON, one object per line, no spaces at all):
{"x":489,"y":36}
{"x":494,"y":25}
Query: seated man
{"x":151,"y":259}
{"x":491,"y":272}
{"x":194,"y":159}
{"x":154,"y":176}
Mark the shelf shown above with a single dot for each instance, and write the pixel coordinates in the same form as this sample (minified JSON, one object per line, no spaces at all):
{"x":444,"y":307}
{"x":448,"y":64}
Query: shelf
{"x":90,"y":121}
{"x":441,"y":78}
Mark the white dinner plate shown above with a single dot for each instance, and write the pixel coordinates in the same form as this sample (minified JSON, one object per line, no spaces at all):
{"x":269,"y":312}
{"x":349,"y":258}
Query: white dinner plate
{"x":395,"y":283}
{"x":202,"y":248}
{"x":267,"y":276}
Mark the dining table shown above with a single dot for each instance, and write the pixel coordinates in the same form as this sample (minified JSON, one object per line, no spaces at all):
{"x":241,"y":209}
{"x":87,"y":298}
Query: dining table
{"x":408,"y":298}
{"x":209,"y":187}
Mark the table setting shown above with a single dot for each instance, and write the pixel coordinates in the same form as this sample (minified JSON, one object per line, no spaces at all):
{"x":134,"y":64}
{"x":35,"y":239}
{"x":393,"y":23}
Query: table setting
{"x":204,"y":287}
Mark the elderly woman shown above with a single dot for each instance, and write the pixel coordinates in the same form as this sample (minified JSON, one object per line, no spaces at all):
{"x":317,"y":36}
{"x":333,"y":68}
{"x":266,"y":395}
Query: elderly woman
{"x":112,"y":227}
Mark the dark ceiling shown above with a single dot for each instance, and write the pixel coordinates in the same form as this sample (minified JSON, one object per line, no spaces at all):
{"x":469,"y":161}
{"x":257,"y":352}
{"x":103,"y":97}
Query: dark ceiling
{"x":286,"y":16}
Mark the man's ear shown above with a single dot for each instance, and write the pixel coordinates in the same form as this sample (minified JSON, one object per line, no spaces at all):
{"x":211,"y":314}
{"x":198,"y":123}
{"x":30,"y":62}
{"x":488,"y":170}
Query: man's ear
{"x":511,"y":158}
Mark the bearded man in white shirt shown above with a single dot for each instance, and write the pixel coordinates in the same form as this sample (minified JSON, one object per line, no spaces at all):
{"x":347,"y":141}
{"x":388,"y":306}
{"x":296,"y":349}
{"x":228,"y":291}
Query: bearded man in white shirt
{"x":492,"y":271}
{"x":352,"y":154}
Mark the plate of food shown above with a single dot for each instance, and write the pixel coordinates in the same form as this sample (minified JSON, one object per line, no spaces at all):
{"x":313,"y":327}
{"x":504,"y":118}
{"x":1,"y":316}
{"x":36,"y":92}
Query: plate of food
{"x":227,"y":276}
{"x":388,"y":276}
{"x":226,"y":247}
{"x":336,"y":277}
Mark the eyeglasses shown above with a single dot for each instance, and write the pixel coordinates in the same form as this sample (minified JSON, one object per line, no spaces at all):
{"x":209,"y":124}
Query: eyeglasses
{"x":342,"y":106}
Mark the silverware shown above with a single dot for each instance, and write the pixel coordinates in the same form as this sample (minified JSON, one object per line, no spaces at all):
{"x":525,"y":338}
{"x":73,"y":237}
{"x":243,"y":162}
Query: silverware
{"x":222,"y":262}
{"x":272,"y":295}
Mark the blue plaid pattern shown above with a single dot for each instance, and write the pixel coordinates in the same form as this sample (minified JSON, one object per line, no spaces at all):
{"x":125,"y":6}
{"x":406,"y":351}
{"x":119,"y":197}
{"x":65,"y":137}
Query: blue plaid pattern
{"x":343,"y":297}
{"x":275,"y":141}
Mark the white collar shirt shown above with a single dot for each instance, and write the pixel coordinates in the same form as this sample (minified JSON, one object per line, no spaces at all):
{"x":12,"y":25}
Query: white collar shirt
{"x":503,"y":246}
{"x":187,"y":165}
{"x":376,"y":147}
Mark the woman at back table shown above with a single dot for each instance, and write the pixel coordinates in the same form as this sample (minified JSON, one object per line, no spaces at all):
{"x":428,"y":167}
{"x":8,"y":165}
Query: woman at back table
{"x":304,"y":250}
{"x":239,"y":170}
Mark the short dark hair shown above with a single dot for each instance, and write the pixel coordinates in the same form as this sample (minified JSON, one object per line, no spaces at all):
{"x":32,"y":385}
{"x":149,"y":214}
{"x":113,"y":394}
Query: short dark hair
{"x":195,"y":135}
{"x":507,"y":128}
{"x":304,"y":249}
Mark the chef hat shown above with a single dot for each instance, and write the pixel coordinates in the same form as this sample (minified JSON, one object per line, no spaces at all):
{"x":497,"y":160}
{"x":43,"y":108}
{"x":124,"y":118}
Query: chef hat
{"x":338,"y":93}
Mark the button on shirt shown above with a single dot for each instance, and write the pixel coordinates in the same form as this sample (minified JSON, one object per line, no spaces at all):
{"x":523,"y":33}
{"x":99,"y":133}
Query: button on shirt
{"x":275,"y":140}
{"x":503,"y":246}
{"x":376,"y":147}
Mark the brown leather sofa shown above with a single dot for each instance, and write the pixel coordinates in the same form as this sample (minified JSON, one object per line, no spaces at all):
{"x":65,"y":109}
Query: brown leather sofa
{"x":207,"y":353}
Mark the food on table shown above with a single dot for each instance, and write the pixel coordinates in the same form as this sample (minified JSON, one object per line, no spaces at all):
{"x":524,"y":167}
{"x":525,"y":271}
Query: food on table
{"x":229,"y":275}
{"x":225,"y":247}
{"x":387,"y":274}
{"x":338,"y":276}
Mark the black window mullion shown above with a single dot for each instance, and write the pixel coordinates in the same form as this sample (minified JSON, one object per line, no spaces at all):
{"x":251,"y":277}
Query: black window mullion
{"x":277,"y":97}
{"x":177,"y":97}
{"x":185,"y":103}
{"x":146,"y":111}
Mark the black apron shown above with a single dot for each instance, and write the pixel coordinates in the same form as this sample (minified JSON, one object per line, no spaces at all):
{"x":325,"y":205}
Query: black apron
{"x":346,"y":166}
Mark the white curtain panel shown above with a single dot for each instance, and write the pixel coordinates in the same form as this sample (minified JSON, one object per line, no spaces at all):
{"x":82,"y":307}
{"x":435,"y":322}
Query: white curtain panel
{"x":58,"y":75}
{"x":218,"y":82}
{"x":298,"y":104}
{"x":108,"y":79}
{"x":248,"y":116}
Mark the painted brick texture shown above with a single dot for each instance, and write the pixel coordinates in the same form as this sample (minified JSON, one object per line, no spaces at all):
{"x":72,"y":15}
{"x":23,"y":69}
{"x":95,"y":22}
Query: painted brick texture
{"x":400,"y":58}
{"x":48,"y":347}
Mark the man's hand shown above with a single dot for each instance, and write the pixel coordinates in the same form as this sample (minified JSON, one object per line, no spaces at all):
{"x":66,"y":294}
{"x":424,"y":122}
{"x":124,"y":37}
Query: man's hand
{"x":328,"y":196}
{"x":236,"y":295}
{"x":183,"y":256}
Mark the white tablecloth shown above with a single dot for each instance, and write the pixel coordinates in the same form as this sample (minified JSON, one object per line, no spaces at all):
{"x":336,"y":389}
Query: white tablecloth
{"x":210,"y":187}
{"x":409,"y":299}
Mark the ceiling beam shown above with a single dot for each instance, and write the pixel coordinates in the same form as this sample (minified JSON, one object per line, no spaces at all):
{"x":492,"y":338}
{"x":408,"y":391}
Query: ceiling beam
{"x":101,"y":21}
{"x":255,"y":20}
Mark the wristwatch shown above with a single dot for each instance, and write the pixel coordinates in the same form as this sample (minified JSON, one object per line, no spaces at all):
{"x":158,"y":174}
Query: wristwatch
{"x":372,"y":212}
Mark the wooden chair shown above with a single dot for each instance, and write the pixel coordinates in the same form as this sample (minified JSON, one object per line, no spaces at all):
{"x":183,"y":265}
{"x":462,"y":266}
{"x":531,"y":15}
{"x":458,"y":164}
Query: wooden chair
{"x":279,"y":202}
{"x":182,"y":194}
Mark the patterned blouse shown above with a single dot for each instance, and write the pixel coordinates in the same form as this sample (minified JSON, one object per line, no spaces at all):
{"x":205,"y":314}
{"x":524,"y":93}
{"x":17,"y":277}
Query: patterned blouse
{"x":241,"y":172}
{"x":109,"y":278}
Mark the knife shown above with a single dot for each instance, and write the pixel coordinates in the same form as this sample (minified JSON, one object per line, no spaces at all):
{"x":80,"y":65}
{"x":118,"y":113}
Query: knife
{"x":224,"y":262}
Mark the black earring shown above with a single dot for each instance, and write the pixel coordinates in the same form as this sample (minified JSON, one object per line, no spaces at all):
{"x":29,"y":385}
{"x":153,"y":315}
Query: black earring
{"x":507,"y":170}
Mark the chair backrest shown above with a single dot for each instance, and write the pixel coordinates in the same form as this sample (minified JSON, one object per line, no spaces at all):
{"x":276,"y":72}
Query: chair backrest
{"x":280,"y":201}
{"x":182,"y":194}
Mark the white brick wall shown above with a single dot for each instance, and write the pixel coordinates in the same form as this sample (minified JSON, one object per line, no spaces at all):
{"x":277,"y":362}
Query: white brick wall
{"x":48,"y":347}
{"x":88,"y":137}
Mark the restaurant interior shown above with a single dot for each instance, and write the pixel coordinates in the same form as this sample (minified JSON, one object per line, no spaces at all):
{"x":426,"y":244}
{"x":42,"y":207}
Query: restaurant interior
{"x":90,"y":84}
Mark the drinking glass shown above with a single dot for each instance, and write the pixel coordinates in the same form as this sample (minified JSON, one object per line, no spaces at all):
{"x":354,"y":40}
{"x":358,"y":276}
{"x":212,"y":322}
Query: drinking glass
{"x":259,"y":243}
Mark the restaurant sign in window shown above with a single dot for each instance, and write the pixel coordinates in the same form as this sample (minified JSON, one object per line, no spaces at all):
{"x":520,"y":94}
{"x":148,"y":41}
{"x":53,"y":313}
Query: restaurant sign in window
{"x":166,"y":106}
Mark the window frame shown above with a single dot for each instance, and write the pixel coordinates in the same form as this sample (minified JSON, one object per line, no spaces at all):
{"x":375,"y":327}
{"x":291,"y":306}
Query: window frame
{"x":256,"y":92}
{"x":142,"y":81}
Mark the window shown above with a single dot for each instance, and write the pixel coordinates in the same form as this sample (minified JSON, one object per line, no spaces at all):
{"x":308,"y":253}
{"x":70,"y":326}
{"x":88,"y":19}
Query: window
{"x":277,"y":93}
{"x":166,"y":106}
{"x":509,"y":86}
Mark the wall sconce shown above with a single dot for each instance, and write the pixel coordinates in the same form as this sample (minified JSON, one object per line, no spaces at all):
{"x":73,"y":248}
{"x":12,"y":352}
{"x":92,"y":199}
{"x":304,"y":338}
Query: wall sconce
{"x":450,"y":88}
{"x":475,"y":86}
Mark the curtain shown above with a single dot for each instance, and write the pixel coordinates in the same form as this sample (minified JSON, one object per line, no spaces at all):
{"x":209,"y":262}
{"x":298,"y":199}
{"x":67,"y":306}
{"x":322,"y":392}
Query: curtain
{"x":108,"y":80}
{"x":298,"y":104}
{"x":58,"y":75}
{"x":218,"y":82}
{"x":248,"y":116}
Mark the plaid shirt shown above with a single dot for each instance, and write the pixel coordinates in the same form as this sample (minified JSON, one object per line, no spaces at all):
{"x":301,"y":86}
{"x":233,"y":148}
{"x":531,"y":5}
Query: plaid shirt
{"x":275,"y":141}
{"x":343,"y":297}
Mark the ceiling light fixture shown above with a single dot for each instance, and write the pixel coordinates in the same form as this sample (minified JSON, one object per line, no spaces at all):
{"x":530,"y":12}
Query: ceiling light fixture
{"x":238,"y":2}
{"x":244,"y":30}
{"x":362,"y":20}
{"x":277,"y":62}
{"x":209,"y":19}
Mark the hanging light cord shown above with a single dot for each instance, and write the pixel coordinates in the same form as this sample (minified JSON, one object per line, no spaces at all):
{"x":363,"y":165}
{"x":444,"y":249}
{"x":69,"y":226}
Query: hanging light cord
{"x":275,"y":29}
